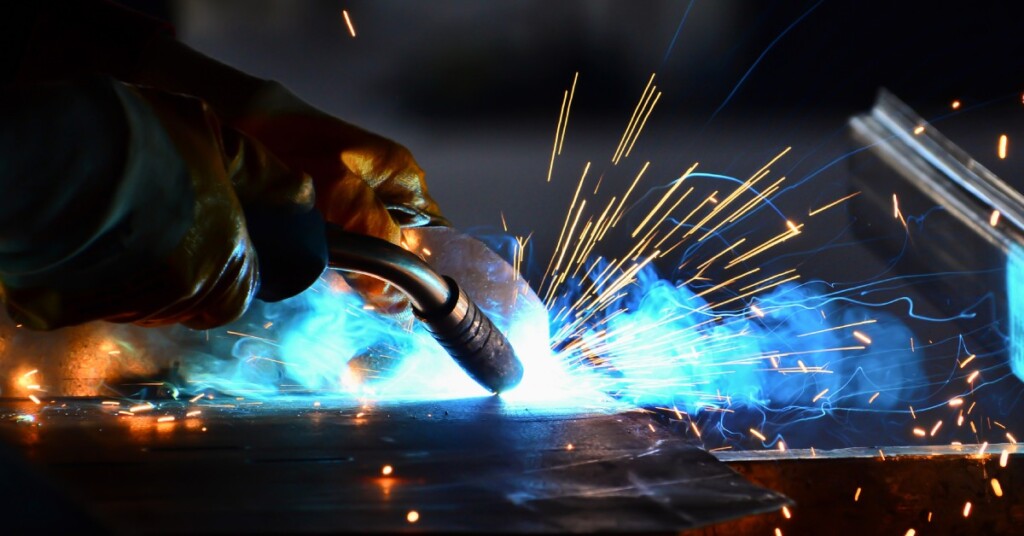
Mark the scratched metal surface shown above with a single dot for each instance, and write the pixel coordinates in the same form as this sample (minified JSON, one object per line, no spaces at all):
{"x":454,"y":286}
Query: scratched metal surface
{"x":467,"y":465}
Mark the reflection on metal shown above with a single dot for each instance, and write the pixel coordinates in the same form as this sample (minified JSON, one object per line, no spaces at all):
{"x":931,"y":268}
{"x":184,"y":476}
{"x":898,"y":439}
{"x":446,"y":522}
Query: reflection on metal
{"x":478,"y":465}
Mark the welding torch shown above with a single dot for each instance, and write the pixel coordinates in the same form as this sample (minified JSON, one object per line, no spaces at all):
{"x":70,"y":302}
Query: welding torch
{"x":465,"y":332}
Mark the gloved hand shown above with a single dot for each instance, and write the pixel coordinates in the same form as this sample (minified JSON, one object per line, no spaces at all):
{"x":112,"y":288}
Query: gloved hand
{"x":132,"y":206}
{"x":364,"y":183}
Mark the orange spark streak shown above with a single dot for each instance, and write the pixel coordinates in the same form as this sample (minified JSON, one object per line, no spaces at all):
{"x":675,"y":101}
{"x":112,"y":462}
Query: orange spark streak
{"x":636,"y":135}
{"x":565,"y":124}
{"x":558,"y":132}
{"x":632,"y":120}
{"x":664,"y":198}
{"x":832,"y":204}
{"x":348,"y":22}
{"x":861,"y":323}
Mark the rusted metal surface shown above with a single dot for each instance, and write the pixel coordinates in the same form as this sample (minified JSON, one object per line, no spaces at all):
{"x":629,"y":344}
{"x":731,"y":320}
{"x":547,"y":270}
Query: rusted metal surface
{"x":901,"y":492}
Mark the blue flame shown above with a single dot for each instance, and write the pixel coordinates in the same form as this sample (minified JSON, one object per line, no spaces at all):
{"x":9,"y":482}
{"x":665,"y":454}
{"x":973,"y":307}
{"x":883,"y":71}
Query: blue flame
{"x":314,"y":339}
{"x":798,"y":353}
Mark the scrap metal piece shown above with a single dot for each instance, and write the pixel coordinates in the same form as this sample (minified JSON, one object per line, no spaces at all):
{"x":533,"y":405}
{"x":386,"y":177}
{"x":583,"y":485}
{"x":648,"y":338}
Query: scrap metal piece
{"x":906,"y":167}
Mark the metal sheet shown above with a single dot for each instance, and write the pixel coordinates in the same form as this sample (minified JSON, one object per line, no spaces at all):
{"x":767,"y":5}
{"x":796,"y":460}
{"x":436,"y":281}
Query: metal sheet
{"x":468,"y":465}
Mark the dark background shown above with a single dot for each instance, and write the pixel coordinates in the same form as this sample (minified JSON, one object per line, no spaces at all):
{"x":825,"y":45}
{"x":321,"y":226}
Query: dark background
{"x":473,"y":88}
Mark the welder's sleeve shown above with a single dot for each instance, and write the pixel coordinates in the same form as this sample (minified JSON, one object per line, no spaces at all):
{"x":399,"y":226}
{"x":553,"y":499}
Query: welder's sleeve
{"x":130,"y":205}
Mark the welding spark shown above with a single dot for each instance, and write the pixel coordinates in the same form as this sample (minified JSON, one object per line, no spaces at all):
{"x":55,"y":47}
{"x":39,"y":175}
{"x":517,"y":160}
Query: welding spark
{"x":861,"y":337}
{"x":1003,"y":140}
{"x":997,"y":489}
{"x":348,"y":22}
{"x":413,"y":516}
{"x":832,"y":204}
{"x":694,"y":315}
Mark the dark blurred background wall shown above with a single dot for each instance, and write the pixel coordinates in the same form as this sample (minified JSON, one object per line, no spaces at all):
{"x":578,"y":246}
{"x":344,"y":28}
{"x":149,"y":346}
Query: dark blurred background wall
{"x":473,"y":87}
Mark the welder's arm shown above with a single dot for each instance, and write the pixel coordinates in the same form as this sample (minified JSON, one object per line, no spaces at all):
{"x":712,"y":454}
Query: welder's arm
{"x":53,"y":40}
{"x":131,"y":205}
{"x":365,"y":183}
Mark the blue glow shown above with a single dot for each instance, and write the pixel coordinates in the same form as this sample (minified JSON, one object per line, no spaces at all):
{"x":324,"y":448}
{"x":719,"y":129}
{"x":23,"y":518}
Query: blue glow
{"x":1015,"y":308}
{"x":321,"y":330}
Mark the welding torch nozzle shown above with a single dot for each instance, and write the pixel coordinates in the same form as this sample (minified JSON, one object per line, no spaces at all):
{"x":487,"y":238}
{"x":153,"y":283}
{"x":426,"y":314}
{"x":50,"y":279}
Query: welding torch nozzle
{"x":449,"y":315}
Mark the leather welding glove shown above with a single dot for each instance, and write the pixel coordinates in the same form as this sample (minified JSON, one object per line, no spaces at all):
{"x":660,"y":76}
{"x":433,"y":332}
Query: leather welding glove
{"x":364,"y":183}
{"x":126,"y":204}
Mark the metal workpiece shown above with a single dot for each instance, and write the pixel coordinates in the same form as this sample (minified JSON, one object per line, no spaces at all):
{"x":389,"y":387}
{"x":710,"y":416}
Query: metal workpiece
{"x":918,"y":157}
{"x":927,"y":207}
{"x":452,"y":318}
{"x":477,"y":465}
